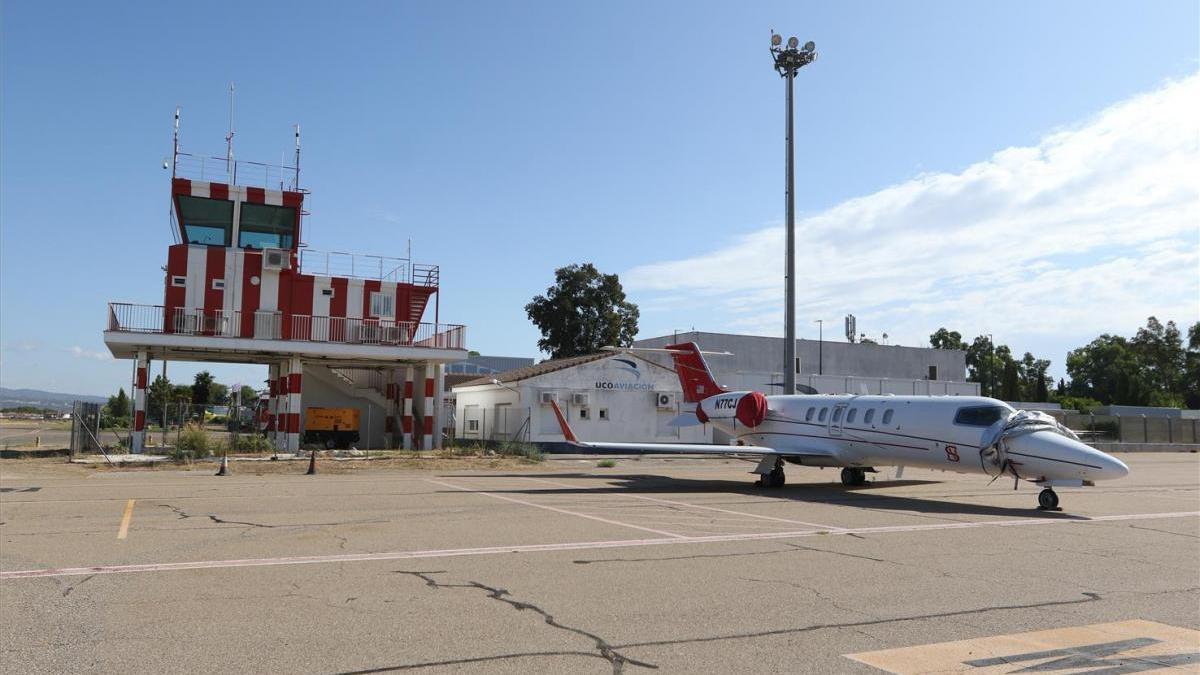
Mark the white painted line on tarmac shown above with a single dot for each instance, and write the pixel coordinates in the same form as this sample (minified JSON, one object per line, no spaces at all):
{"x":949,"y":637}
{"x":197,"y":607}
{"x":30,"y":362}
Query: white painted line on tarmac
{"x":694,"y":506}
{"x":570,"y":546}
{"x":555,"y":509}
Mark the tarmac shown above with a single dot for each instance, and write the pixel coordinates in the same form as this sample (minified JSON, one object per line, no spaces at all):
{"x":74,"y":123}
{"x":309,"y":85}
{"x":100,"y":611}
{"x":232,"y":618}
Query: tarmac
{"x":678,"y":565}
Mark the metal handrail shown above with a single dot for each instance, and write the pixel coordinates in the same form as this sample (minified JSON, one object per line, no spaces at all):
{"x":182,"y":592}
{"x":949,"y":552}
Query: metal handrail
{"x":126,"y":317}
{"x":236,"y":172}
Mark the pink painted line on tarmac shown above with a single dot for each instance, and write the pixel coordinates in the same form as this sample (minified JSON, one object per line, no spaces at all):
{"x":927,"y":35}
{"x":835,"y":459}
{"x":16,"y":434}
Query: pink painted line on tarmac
{"x":569,"y":546}
{"x":697,"y":506}
{"x":555,"y":509}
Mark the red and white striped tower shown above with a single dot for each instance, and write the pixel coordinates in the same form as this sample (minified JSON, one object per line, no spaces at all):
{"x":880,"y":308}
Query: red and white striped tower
{"x":407,"y":420}
{"x":295,"y":373}
{"x":137,"y":440}
{"x":428,"y":409}
{"x":392,"y":389}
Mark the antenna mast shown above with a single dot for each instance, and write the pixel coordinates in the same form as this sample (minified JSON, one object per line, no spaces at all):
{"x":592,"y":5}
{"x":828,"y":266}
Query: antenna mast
{"x":175,"y":145}
{"x":229,"y":139}
{"x":297,"y":185}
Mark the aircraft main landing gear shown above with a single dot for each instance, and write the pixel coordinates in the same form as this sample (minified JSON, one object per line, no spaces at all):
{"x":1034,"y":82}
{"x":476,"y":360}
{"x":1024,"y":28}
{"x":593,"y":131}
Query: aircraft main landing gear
{"x":775,"y":479}
{"x":1048,"y":500}
{"x":853,"y":476}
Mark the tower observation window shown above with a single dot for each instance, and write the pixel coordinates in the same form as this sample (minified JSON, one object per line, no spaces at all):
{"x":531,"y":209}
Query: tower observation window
{"x":206,"y":221}
{"x":266,"y":226}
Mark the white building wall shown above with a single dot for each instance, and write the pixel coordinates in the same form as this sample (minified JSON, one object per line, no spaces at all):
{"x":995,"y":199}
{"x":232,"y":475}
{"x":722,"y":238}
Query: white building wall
{"x":621,"y":405}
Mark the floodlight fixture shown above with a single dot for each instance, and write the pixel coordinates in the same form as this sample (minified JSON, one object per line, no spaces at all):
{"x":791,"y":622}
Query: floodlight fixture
{"x":776,"y":39}
{"x":810,"y":46}
{"x":793,"y":42}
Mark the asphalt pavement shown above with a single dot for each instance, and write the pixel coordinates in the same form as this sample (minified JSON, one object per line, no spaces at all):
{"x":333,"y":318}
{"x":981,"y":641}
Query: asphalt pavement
{"x":668,"y":564}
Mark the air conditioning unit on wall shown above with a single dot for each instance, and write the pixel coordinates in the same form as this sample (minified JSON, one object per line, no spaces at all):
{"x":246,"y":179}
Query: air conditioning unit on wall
{"x":276,"y":259}
{"x":664,"y":399}
{"x":549,"y":397}
{"x":580,"y":399}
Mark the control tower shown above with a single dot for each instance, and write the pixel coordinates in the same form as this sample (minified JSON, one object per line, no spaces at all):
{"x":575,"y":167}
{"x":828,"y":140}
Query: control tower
{"x":335,"y":329}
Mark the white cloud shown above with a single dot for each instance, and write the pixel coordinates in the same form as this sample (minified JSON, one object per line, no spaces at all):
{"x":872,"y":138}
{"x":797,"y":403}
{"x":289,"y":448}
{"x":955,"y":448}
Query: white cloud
{"x":1091,"y":230}
{"x":81,"y":353}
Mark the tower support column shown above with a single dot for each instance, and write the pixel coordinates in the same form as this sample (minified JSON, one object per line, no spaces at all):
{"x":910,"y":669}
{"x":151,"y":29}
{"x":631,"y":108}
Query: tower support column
{"x":439,"y":410}
{"x":295,"y":376}
{"x":137,"y":439}
{"x":407,"y":419}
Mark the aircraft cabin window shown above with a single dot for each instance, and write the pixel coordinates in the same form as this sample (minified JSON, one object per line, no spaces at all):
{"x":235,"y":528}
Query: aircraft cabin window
{"x":821,"y":416}
{"x":837,"y":414}
{"x":851,"y":415}
{"x":980,"y":416}
{"x":869,"y":416}
{"x":887,"y":416}
{"x":809,"y":415}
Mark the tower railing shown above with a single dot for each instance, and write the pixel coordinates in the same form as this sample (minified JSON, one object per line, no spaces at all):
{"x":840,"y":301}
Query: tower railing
{"x":236,"y":172}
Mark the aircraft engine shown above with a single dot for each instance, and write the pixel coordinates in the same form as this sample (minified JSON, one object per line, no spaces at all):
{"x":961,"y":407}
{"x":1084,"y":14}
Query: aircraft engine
{"x":745,"y":408}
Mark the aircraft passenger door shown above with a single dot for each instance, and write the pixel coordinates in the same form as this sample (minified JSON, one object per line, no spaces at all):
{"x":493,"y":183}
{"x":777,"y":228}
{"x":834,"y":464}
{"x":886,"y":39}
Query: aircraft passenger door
{"x":836,"y":419}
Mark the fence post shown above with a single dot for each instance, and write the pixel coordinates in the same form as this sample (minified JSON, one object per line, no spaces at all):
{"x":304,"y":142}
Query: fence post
{"x":1145,"y":428}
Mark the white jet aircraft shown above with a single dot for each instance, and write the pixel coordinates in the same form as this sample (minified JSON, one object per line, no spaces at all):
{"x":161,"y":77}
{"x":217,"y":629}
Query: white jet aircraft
{"x":966,"y":434}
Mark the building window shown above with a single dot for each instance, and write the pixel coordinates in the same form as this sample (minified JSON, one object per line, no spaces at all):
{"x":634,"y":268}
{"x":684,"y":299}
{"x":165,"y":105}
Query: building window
{"x":583,"y":413}
{"x":179,"y":282}
{"x":821,"y":415}
{"x":887,"y":416}
{"x":869,"y":416}
{"x":383,"y":305}
{"x":851,"y":415}
{"x":603,"y":414}
{"x":797,"y":366}
{"x":266,"y":226}
{"x":933,"y":372}
{"x":218,"y":284}
{"x":206,"y":221}
{"x":809,"y":415}
{"x":472,"y":425}
{"x":328,"y":292}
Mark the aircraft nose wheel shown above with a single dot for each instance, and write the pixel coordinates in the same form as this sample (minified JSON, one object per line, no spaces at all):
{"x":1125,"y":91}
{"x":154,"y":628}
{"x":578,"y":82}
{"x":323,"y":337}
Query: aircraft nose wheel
{"x":1048,"y":500}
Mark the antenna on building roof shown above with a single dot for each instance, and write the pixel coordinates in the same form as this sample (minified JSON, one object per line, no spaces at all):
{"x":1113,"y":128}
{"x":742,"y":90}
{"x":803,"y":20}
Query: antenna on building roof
{"x":229,"y":137}
{"x":297,"y":185}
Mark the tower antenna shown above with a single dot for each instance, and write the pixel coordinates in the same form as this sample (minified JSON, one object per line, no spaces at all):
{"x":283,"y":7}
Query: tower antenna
{"x":229,"y":139}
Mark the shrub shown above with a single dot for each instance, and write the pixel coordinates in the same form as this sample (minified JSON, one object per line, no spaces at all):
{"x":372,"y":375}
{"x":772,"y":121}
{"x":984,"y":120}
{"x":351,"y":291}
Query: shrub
{"x":527,"y":451}
{"x":193,"y":442}
{"x":256,"y":443}
{"x":606,"y":463}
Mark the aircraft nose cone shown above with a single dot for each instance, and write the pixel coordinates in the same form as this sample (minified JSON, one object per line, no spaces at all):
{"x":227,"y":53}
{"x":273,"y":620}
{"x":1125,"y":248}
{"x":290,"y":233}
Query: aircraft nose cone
{"x":1113,"y":467}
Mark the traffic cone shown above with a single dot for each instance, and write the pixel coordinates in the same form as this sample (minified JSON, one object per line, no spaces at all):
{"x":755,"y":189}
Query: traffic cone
{"x":312,"y":464}
{"x":224,"y":470}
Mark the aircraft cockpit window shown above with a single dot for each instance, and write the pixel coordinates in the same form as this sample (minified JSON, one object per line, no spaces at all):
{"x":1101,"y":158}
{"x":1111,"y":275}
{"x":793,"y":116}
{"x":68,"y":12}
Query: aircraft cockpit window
{"x":821,"y":416}
{"x":837,"y":414}
{"x":887,"y":416}
{"x":851,"y":415}
{"x":809,"y":415}
{"x":980,"y":416}
{"x":869,"y":416}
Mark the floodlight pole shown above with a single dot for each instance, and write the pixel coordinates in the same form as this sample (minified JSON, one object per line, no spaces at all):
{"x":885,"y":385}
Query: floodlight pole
{"x":787,"y":61}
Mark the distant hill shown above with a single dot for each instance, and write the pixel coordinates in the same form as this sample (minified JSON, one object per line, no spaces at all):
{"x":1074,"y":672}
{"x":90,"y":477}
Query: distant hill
{"x":11,"y":398}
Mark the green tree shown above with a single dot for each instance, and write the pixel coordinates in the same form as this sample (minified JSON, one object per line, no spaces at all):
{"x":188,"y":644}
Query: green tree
{"x":947,"y":339}
{"x":583,"y":311}
{"x":1107,"y":370}
{"x":248,"y":395}
{"x":1191,"y":370}
{"x":160,"y":389}
{"x":218,"y":394}
{"x":201,"y":386}
{"x":118,"y":405}
{"x":1162,"y":359}
{"x":1010,"y":384}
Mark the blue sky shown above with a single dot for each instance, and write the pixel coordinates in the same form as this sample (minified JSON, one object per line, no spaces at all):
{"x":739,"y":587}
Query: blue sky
{"x":983,"y":166}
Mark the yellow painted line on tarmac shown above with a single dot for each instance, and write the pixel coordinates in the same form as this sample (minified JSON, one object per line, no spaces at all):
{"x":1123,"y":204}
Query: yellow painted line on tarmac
{"x":124,"y":531}
{"x":1125,"y":646}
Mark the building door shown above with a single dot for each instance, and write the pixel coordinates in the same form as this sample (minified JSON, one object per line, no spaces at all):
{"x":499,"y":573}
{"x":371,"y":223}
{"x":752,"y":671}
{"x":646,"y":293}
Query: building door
{"x":503,"y":424}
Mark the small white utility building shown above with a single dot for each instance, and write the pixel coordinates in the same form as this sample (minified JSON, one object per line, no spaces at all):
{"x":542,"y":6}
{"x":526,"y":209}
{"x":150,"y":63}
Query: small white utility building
{"x":612,"y":396}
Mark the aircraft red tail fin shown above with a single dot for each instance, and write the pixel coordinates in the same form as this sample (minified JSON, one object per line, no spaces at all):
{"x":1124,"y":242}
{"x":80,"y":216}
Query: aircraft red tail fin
{"x":694,"y":376}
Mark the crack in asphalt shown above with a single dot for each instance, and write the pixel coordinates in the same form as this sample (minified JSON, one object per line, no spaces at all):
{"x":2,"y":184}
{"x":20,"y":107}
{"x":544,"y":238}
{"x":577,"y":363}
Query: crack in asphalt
{"x":67,"y":591}
{"x":1137,"y":527}
{"x":1088,"y":597}
{"x":221,"y":521}
{"x":603,"y":648}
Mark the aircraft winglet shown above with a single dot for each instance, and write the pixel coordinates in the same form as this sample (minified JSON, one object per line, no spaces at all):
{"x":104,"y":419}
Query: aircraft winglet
{"x":562,"y":422}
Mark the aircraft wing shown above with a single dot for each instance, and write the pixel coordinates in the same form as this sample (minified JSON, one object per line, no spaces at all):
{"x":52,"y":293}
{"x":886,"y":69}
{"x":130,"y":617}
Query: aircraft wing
{"x":686,"y":448}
